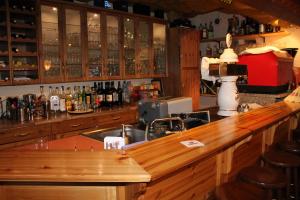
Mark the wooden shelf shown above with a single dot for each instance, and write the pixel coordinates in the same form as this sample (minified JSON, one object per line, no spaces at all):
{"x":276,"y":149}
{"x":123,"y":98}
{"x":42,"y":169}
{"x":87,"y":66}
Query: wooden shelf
{"x":3,"y":39}
{"x":214,"y":39}
{"x":254,"y":36}
{"x":3,"y":53}
{"x":25,"y":54}
{"x":25,"y":68}
{"x":249,"y":37}
{"x":27,"y":40}
{"x":26,"y":26}
{"x":4,"y":69}
{"x":22,"y":12}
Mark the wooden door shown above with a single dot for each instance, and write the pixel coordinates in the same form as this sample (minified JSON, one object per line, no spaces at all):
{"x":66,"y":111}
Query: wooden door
{"x":189,"y":64}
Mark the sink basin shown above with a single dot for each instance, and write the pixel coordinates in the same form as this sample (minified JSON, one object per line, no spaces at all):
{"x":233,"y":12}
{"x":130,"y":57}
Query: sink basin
{"x":134,"y":135}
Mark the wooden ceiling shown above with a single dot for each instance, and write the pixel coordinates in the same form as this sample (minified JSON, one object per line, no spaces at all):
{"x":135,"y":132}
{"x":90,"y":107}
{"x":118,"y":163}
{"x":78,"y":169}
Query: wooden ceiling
{"x":264,"y":11}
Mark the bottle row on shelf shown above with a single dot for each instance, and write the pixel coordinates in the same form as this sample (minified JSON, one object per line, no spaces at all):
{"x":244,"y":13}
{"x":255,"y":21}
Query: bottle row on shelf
{"x":77,"y":99}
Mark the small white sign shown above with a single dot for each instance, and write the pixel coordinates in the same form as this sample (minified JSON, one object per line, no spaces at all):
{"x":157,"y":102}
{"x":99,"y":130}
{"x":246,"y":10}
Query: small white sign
{"x":192,"y":143}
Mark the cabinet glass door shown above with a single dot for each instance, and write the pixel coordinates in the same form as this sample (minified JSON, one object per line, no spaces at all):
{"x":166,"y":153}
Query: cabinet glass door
{"x":94,"y":46}
{"x":129,"y":47}
{"x":112,"y":41}
{"x":73,"y":45}
{"x":144,"y":53}
{"x":159,"y":49}
{"x":51,"y":67}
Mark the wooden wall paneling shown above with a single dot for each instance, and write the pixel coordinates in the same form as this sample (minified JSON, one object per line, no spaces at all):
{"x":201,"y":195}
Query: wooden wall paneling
{"x":195,"y":181}
{"x":173,"y":48}
{"x":183,"y":65}
{"x":190,"y":86}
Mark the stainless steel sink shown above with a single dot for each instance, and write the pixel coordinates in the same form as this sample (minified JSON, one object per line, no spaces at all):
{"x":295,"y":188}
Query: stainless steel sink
{"x":134,"y":135}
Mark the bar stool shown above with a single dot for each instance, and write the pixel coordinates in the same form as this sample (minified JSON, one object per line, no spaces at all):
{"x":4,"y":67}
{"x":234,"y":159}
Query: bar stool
{"x":292,"y":147}
{"x":264,"y":177}
{"x":290,"y":163}
{"x":238,"y":190}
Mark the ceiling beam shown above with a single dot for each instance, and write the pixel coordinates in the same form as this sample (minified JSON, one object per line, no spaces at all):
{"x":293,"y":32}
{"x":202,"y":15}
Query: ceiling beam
{"x":288,"y":10}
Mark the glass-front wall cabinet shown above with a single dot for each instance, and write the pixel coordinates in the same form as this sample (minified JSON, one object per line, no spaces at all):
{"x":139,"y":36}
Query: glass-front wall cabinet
{"x":129,"y":46}
{"x":73,"y":45}
{"x":51,"y":62}
{"x":159,"y":49}
{"x":143,"y":67}
{"x":94,"y":59}
{"x":112,"y":68}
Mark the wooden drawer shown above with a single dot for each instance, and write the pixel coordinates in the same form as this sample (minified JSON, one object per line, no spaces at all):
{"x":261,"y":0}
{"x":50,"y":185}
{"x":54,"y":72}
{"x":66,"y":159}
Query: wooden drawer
{"x":73,"y":125}
{"x":116,"y":119}
{"x":24,"y":133}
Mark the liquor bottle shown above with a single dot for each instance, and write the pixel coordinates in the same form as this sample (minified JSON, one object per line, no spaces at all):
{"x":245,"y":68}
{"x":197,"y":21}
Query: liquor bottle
{"x":68,"y":96}
{"x":88,"y":97}
{"x":83,"y":97}
{"x":75,"y":99}
{"x":80,"y":99}
{"x":204,"y":32}
{"x":94,"y":104}
{"x":62,"y":100}
{"x":54,"y":101}
{"x":101,"y":95}
{"x":210,"y":31}
{"x":120,"y":94}
{"x":114,"y":92}
{"x":108,"y":95}
{"x":43,"y":102}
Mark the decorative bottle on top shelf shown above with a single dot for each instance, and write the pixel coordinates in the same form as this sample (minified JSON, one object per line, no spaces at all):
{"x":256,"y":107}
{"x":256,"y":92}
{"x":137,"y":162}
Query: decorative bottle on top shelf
{"x":204,"y":32}
{"x":210,"y":31}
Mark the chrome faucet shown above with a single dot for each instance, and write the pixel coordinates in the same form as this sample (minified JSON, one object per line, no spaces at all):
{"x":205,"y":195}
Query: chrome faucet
{"x":170,"y":119}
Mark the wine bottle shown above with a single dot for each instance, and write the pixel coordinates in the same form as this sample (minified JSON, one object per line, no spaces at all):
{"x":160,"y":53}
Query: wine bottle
{"x":15,"y":35}
{"x":120,"y":94}
{"x":16,"y":50}
{"x":115,"y":94}
{"x":14,"y":21}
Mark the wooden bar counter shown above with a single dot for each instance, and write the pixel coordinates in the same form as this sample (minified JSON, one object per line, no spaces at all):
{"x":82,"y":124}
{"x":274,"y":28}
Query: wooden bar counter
{"x":159,"y":169}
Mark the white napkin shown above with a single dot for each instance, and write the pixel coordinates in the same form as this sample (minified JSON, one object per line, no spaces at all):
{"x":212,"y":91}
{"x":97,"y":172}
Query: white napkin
{"x":111,"y":142}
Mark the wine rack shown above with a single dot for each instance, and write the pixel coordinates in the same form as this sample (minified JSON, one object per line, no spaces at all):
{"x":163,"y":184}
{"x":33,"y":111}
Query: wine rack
{"x":18,"y":42}
{"x":4,"y":46}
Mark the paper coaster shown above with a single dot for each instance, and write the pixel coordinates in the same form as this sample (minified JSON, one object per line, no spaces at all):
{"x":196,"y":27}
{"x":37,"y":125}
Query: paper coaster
{"x":192,"y":143}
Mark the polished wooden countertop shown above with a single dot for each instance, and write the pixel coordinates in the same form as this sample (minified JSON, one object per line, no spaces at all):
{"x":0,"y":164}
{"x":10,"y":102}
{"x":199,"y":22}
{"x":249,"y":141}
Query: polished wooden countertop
{"x":153,"y":159}
{"x":58,"y":117}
